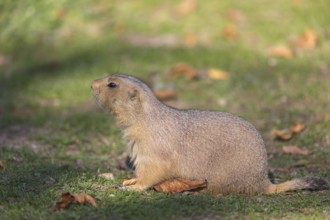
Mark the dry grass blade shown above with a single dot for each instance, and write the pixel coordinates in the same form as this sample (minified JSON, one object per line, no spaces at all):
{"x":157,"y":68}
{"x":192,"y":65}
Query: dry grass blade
{"x":180,"y":185}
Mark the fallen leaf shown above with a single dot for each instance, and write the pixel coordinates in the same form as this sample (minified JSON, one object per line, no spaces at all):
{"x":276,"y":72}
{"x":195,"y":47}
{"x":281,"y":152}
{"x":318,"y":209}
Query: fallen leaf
{"x":185,"y":70}
{"x":179,"y":185}
{"x":165,"y":94}
{"x":283,"y":135}
{"x":230,"y":32}
{"x":59,"y":13}
{"x":295,"y":150}
{"x":280,"y":50}
{"x":297,"y":128}
{"x":190,"y":40}
{"x":235,"y":15}
{"x":108,"y":176}
{"x":4,"y":59}
{"x":85,"y":199}
{"x":288,"y":133}
{"x":2,"y":166}
{"x":185,"y":7}
{"x":308,"y":40}
{"x":296,"y":3}
{"x":67,"y":199}
{"x":217,"y":74}
{"x":128,"y":182}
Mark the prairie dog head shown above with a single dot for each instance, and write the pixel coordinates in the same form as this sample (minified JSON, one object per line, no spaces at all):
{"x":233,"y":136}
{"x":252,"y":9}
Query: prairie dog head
{"x":122,"y":95}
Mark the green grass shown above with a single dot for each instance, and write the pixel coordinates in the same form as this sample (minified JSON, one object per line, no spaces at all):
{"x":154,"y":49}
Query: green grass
{"x":54,"y":139}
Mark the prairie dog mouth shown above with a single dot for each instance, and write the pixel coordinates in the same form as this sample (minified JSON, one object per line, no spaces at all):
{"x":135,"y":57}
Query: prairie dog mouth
{"x":97,"y":99}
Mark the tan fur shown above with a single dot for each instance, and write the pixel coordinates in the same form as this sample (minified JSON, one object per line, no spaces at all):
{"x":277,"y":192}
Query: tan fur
{"x":167,"y":143}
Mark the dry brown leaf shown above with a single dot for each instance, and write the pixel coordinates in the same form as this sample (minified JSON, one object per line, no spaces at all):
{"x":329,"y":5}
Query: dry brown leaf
{"x":84,"y":199}
{"x":67,"y":199}
{"x":108,"y":176}
{"x":190,"y":40}
{"x":230,"y":32}
{"x":308,"y":40}
{"x":296,"y":128}
{"x":185,"y":7}
{"x":183,"y":69}
{"x":235,"y":15}
{"x":180,"y":185}
{"x":296,"y":3}
{"x":1,"y":165}
{"x":295,"y":150}
{"x":287,"y":134}
{"x":4,"y":59}
{"x":165,"y":94}
{"x":59,"y":13}
{"x":283,"y":135}
{"x":217,"y":74}
{"x":280,"y":50}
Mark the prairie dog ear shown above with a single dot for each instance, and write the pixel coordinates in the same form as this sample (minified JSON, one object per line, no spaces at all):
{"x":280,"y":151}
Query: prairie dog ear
{"x":133,"y":94}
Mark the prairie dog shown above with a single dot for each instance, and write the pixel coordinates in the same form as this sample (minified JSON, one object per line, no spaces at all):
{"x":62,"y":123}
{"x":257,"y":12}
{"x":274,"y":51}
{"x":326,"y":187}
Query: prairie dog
{"x":166,"y":143}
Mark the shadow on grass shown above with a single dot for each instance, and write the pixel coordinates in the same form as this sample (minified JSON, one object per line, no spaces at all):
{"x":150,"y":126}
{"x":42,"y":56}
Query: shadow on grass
{"x":34,"y":183}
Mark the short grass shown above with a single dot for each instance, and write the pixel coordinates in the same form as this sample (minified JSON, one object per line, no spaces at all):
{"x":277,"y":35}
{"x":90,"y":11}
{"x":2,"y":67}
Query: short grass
{"x":54,"y":139}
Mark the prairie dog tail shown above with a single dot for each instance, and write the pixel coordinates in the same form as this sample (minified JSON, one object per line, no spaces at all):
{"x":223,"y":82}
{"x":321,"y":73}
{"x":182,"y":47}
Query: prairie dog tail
{"x":310,"y":183}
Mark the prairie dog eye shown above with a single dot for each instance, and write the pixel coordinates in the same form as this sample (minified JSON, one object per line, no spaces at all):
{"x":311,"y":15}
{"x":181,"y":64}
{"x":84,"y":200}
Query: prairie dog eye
{"x":112,"y":85}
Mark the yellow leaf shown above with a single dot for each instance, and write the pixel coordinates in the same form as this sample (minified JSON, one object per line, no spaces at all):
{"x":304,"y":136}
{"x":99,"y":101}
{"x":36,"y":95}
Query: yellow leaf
{"x":217,"y":74}
{"x":281,"y":51}
{"x":308,"y":40}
